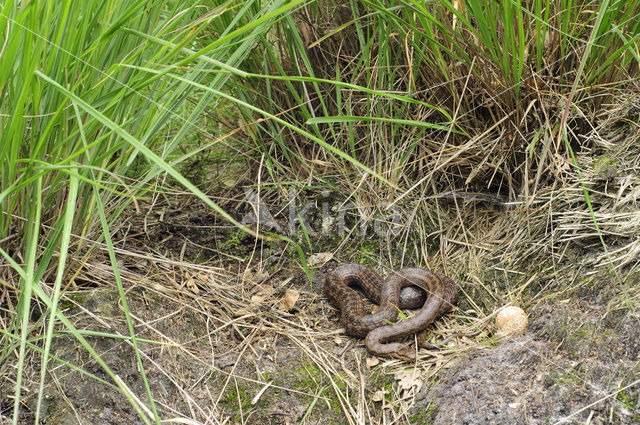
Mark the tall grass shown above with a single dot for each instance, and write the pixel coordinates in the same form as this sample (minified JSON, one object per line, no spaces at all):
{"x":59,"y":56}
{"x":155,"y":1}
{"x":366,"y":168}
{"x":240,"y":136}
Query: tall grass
{"x":473,"y":70}
{"x":98,"y":100}
{"x":86,"y":127}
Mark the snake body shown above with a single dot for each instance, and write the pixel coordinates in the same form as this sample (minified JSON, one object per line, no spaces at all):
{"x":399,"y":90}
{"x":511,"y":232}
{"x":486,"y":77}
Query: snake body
{"x":339,"y":289}
{"x":443,"y":294}
{"x":405,"y":288}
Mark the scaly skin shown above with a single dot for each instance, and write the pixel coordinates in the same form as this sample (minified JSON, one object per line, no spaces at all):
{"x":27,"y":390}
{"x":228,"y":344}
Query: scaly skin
{"x":389,"y":297}
{"x":399,"y":290}
{"x":442,"y":295}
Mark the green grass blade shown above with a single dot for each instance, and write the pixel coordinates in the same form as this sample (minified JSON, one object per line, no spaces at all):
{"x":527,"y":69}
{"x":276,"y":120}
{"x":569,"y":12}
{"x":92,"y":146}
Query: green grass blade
{"x":64,"y":249}
{"x":148,"y":153}
{"x":28,"y":284}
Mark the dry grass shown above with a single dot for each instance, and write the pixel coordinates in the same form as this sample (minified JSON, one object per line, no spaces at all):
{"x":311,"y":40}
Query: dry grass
{"x":493,"y":200}
{"x":228,"y":324}
{"x":499,"y":251}
{"x":240,"y":306}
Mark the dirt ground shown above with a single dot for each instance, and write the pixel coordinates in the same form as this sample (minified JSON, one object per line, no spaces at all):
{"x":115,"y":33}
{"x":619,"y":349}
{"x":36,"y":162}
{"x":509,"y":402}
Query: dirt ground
{"x":230,"y":344}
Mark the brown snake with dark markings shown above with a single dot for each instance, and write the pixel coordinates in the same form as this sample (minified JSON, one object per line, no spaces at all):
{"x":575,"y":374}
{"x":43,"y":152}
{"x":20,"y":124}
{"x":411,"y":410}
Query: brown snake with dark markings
{"x":399,"y":290}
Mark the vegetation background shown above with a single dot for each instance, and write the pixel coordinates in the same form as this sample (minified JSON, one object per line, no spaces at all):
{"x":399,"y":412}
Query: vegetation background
{"x":505,"y":132}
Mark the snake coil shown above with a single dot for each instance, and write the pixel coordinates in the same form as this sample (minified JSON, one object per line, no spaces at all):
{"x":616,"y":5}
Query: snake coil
{"x":409,"y":287}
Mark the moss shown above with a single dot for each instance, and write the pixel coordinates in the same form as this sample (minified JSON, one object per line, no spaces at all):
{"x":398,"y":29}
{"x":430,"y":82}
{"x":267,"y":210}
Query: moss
{"x":631,"y":403}
{"x":310,"y":379}
{"x":239,"y":400}
{"x":234,"y":240}
{"x":234,"y":244}
{"x":369,"y":251}
{"x":70,"y":300}
{"x":382,"y":381}
{"x":567,"y":378}
{"x":606,"y":167}
{"x":423,"y":416}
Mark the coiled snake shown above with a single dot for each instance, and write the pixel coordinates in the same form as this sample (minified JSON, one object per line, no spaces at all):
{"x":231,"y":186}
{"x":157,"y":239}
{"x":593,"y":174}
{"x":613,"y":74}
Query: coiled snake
{"x":399,"y":290}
